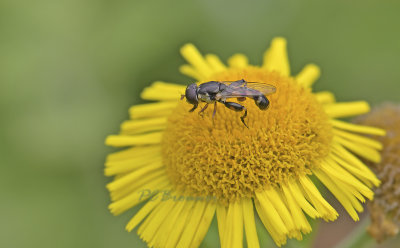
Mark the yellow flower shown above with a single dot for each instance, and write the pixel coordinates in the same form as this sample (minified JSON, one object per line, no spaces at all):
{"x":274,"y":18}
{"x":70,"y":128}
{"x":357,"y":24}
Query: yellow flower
{"x":189,"y":169}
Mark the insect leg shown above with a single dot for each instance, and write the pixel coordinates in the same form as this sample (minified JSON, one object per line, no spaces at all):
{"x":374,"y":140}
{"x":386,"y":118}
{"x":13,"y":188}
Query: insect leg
{"x":215,"y":111}
{"x":194,"y":107}
{"x":244,"y":116}
{"x":237,"y":107}
{"x":202,"y":110}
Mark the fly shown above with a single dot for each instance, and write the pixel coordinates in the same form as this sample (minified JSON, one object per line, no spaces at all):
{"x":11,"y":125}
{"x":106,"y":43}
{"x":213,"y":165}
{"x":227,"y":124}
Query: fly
{"x":222,"y":91}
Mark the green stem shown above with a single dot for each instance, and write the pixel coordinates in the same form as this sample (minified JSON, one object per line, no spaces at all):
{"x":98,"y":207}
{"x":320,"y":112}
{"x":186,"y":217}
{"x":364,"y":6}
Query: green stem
{"x":358,"y":237}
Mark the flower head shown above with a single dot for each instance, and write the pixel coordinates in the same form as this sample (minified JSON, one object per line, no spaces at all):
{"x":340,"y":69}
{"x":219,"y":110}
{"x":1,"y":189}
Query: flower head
{"x":384,"y":209}
{"x":177,"y":156}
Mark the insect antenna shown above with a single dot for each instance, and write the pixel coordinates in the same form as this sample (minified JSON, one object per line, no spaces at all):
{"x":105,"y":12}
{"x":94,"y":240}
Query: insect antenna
{"x":182,"y":96}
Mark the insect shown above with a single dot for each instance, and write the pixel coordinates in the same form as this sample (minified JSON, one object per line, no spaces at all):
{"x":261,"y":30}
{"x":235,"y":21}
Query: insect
{"x":221,"y":91}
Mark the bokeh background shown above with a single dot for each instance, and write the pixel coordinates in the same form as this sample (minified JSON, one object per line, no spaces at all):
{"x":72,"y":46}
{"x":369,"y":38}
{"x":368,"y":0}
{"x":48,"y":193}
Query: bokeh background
{"x":70,"y":69}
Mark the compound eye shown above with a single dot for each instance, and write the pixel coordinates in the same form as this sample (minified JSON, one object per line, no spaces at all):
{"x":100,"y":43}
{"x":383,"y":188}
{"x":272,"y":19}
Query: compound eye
{"x":191,"y":94}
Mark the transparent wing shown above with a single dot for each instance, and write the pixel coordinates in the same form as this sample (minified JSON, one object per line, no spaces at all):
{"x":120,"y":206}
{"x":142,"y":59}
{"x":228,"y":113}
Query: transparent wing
{"x":244,"y":89}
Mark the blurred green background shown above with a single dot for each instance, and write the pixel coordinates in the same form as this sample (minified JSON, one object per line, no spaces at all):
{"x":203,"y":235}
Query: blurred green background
{"x":69,"y":70}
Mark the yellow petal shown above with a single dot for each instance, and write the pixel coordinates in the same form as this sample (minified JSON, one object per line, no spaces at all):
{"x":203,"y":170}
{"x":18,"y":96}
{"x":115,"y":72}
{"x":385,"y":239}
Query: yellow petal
{"x":359,"y":139}
{"x":143,"y":212}
{"x":346,"y":109}
{"x":152,"y":109}
{"x":131,"y":153}
{"x":234,"y":226}
{"x":134,"y":175}
{"x":138,"y":196}
{"x":144,"y":125}
{"x":238,"y":61}
{"x":204,"y":224}
{"x":272,"y":214}
{"x":365,"y":177}
{"x":278,"y":237}
{"x":300,"y":220}
{"x":123,"y":166}
{"x":301,"y":200}
{"x":340,"y":151}
{"x":308,"y":75}
{"x":215,"y":63}
{"x":162,"y":91}
{"x":192,"y":224}
{"x":364,"y":151}
{"x":181,"y":223}
{"x":276,"y":58}
{"x":168,"y":224}
{"x":150,"y":218}
{"x":337,"y":193}
{"x":133,"y":140}
{"x":322,"y":206}
{"x":358,"y":128}
{"x":221,"y":217}
{"x":193,"y":56}
{"x":189,"y":71}
{"x":332,"y":169}
{"x":249,"y":223}
{"x":280,"y":208}
{"x":155,"y":176}
{"x":325,"y":97}
{"x":154,"y":221}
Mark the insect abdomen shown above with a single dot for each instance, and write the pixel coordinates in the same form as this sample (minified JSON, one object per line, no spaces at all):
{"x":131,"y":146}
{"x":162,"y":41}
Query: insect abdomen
{"x":261,"y":101}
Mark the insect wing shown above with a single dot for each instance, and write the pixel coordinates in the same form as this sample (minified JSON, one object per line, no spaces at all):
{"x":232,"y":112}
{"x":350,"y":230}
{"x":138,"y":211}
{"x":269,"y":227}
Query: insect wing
{"x":265,"y":89}
{"x":244,"y":89}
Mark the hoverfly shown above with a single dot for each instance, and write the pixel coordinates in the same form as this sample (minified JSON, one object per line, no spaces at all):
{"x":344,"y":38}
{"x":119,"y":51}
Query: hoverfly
{"x":221,"y":91}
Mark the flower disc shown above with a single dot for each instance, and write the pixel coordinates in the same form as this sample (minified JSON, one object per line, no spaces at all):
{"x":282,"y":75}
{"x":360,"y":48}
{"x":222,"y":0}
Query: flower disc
{"x":226,"y":160}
